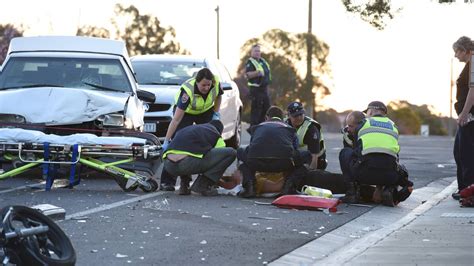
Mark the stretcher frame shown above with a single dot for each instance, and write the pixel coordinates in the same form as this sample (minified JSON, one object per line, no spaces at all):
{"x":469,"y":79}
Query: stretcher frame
{"x":88,"y":155}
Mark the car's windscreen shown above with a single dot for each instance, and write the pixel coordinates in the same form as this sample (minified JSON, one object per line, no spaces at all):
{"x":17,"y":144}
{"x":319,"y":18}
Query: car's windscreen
{"x":165,"y":73}
{"x":88,"y":73}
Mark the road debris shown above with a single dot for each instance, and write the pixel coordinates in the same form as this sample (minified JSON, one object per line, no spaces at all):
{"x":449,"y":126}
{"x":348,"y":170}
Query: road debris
{"x":360,"y":205}
{"x":263,"y":218}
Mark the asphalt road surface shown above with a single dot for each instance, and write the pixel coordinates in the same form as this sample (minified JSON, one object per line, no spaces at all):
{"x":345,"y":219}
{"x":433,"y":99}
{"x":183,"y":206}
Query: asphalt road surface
{"x":111,"y":227}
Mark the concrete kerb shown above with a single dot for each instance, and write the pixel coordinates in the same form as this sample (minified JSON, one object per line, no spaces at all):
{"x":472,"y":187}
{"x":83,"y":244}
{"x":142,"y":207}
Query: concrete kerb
{"x":346,"y":242}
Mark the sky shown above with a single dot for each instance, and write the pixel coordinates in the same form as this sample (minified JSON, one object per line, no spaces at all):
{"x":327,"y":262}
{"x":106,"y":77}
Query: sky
{"x":409,"y":60}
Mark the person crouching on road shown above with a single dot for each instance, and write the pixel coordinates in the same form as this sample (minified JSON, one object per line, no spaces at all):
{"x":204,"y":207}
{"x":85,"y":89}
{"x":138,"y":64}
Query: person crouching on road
{"x":273,"y":148}
{"x":310,"y":136}
{"x":198,"y":102}
{"x":374,"y":158}
{"x":199,"y":149}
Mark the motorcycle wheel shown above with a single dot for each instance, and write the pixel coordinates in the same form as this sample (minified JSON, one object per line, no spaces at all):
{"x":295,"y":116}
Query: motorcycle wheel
{"x":50,"y":248}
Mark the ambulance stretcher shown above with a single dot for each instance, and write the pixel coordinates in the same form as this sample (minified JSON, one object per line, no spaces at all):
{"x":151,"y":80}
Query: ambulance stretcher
{"x":132,"y":161}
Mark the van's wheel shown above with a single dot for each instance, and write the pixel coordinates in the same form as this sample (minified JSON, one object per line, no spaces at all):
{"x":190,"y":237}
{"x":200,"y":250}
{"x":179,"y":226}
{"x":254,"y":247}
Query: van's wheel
{"x":151,"y":186}
{"x":234,"y":141}
{"x":50,"y":248}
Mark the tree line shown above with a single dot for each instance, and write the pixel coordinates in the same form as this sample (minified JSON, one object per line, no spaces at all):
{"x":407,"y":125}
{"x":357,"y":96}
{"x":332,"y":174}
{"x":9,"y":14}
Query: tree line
{"x":286,"y":52}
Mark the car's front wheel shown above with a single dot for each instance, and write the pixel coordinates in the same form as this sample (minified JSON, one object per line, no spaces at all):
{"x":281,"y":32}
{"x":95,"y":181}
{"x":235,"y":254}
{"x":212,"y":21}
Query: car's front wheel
{"x":234,"y":141}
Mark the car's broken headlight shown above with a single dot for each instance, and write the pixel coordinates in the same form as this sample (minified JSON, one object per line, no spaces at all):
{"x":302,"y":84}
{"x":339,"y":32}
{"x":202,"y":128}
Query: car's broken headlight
{"x":12,"y":118}
{"x":114,"y":120}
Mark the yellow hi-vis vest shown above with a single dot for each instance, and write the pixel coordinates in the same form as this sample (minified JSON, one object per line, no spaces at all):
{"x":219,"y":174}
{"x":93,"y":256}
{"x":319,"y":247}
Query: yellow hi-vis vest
{"x":259,"y":68}
{"x":379,"y":135}
{"x":301,"y":132}
{"x":197,"y":104}
{"x":219,"y":144}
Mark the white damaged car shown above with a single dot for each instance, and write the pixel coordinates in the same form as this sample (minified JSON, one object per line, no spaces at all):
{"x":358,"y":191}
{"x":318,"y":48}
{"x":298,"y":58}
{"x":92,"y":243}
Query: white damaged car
{"x":64,"y":84}
{"x":69,"y":85}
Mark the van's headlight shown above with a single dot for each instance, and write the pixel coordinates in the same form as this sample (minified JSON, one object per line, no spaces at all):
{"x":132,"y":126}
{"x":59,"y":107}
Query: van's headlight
{"x":12,"y":118}
{"x":113,"y":120}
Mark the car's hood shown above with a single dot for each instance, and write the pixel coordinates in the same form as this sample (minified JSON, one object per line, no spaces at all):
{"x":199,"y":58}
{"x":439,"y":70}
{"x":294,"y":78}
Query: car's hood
{"x":164,"y":94}
{"x":60,"y":106}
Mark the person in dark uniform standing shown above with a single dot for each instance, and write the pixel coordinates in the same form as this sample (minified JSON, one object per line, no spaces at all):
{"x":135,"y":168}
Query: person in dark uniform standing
{"x":258,"y":75}
{"x":374,"y":158}
{"x":464,"y":142}
{"x":273,"y":148}
{"x":310,"y":136}
{"x":199,"y":149}
{"x":198,"y":102}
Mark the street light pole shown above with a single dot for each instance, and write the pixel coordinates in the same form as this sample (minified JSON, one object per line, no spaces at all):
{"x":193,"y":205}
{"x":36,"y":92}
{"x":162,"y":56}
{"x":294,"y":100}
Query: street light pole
{"x":309,"y":56}
{"x":217,"y":11}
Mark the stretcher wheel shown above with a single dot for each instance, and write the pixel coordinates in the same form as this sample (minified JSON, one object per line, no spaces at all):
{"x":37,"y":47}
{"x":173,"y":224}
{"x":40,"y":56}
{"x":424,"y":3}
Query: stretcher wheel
{"x":152,"y":185}
{"x":122,"y":182}
{"x":50,"y":248}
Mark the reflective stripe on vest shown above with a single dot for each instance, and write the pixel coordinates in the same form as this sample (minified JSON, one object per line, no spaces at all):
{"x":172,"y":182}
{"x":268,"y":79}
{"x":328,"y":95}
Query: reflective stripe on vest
{"x":197,"y":104}
{"x":219,"y":144}
{"x":301,"y":132}
{"x":379,"y":135}
{"x":259,"y":68}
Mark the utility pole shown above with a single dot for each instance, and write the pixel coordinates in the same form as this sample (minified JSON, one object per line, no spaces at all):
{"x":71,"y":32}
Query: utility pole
{"x":217,"y":11}
{"x":309,"y":56}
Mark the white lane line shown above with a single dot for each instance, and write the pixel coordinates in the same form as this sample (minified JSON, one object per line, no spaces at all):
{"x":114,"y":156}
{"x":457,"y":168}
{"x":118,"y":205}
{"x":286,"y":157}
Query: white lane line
{"x":357,"y":247}
{"x":113,"y":205}
{"x":23,"y":187}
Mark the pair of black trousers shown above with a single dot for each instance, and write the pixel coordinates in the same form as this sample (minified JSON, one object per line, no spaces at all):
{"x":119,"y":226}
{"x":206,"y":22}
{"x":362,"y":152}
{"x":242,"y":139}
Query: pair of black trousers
{"x":372,"y":169}
{"x":212,"y":165}
{"x":249,"y":166}
{"x":464,"y":155}
{"x":188,"y":119}
{"x":260,"y":102}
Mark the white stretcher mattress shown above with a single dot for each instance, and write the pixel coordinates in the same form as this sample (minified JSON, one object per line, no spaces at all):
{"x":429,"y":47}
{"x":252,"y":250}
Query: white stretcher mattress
{"x":18,"y":135}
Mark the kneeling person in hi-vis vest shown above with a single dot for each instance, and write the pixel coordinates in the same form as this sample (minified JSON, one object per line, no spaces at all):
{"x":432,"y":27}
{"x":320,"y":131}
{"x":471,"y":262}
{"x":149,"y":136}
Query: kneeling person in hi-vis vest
{"x":310,"y":136}
{"x":197,"y":102}
{"x":373,"y":160}
{"x":199,"y":149}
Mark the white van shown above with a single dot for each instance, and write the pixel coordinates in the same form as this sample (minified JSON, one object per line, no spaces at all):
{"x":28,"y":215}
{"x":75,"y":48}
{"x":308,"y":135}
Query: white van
{"x":163,"y":76}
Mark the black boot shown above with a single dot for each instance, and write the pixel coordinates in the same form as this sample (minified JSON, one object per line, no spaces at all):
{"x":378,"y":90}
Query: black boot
{"x":249,"y":190}
{"x":389,"y":196}
{"x":404,"y":193}
{"x":289,"y":187}
{"x":204,"y":186}
{"x":200,"y":184}
{"x":352,"y":193}
{"x":184,"y":186}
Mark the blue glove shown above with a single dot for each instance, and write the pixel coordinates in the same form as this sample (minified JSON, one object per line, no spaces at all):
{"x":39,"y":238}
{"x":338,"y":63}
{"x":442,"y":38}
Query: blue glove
{"x":216,"y":116}
{"x":165,"y":145}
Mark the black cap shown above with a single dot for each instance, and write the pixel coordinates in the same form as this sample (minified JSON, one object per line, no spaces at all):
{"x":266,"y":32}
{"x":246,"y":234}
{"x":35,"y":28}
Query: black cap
{"x":218,"y":125}
{"x":377,"y":106}
{"x":295,"y":109}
